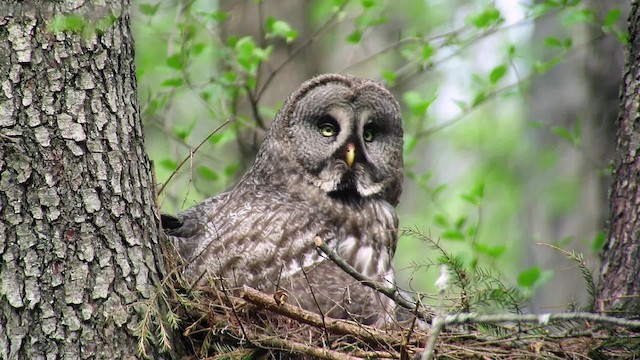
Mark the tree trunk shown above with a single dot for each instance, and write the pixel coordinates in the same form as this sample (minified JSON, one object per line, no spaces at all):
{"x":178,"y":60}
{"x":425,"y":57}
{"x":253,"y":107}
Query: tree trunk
{"x":619,"y":288}
{"x":78,"y":232}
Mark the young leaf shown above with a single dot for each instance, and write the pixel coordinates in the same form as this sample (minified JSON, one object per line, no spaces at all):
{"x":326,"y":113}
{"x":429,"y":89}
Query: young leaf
{"x":497,"y":73}
{"x":355,"y":37}
{"x":486,"y":19}
{"x":208,"y":173}
{"x":148,"y":9}
{"x":175,"y":82}
{"x":452,"y":234}
{"x":552,"y":42}
{"x":527,"y":278}
{"x":175,"y":61}
{"x":282,"y":29}
{"x":168,"y":164}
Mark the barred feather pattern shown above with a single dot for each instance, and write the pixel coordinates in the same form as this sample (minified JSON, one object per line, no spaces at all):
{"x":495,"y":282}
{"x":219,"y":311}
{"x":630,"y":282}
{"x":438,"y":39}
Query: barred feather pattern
{"x":261,"y":232}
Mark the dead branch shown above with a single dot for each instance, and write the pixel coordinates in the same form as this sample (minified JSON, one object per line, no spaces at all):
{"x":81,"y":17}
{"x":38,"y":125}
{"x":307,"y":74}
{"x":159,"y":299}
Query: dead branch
{"x":335,"y":326}
{"x":391,"y":292}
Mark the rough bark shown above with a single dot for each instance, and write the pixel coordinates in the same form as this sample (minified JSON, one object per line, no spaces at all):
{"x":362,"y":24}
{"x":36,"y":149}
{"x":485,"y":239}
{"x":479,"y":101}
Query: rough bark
{"x":619,"y":288}
{"x":78,"y":232}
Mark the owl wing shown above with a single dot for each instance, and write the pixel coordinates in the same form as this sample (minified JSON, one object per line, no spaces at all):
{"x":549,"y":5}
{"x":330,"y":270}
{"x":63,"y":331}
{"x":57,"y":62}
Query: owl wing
{"x":253,"y":237}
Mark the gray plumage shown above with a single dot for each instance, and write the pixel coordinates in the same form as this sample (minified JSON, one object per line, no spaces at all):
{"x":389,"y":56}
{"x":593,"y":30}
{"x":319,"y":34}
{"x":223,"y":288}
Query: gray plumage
{"x":261,"y":232}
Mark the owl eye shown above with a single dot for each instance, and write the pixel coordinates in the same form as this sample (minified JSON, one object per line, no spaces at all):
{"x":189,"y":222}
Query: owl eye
{"x":368,"y":134}
{"x":327,"y":130}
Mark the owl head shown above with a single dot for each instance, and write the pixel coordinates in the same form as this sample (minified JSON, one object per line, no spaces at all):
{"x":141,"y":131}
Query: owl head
{"x":344,"y":134}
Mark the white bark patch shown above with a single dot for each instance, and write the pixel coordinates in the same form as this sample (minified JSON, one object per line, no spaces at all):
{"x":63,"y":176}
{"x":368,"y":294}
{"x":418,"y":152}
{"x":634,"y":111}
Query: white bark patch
{"x":48,"y":197}
{"x":7,"y":89}
{"x":86,"y":81}
{"x":113,"y":309}
{"x":69,"y":318}
{"x":86,"y":310}
{"x":32,"y":292}
{"x":74,"y":148}
{"x":20,"y":36}
{"x":33,"y":116}
{"x":23,"y":171}
{"x":75,"y":104}
{"x":6,"y":114}
{"x":70,"y":129}
{"x":127,"y":231}
{"x":103,"y":280}
{"x":91,"y":200}
{"x":101,"y":167}
{"x":85,"y":244}
{"x":42,"y":136}
{"x":27,"y":97}
{"x":74,"y":287}
{"x":11,"y":286}
{"x":55,"y":79}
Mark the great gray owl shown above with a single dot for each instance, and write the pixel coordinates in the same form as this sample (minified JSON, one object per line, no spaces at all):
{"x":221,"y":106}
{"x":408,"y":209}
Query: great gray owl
{"x":330,"y":166}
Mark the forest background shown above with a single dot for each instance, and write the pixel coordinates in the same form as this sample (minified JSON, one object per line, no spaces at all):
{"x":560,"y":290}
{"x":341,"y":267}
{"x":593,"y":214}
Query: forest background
{"x":509,"y":114}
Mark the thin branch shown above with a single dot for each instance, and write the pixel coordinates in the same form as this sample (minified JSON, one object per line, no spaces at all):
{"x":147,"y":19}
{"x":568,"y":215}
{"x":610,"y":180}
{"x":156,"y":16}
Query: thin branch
{"x":191,"y":154}
{"x":276,"y":343}
{"x":313,"y":295}
{"x":436,"y":328}
{"x":335,"y":326}
{"x":390,"y":292}
{"x":543,"y":319}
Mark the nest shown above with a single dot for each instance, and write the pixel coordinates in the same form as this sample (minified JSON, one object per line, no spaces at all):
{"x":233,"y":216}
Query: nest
{"x":218,"y":322}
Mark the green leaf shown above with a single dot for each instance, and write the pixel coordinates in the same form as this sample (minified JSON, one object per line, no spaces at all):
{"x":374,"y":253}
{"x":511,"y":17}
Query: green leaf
{"x":452,"y":234}
{"x":175,"y":61}
{"x":368,"y":3}
{"x":218,"y":16}
{"x":572,"y":137}
{"x":527,"y":278}
{"x":492,"y":251}
{"x":534,"y":277}
{"x":476,"y":194}
{"x":355,"y":37}
{"x":441,"y":220}
{"x":580,"y":16}
{"x":206,"y":173}
{"x":282,"y":29}
{"x":497,"y":73}
{"x":230,"y":170}
{"x":249,"y":55}
{"x":389,"y":76}
{"x":612,"y":17}
{"x":168,"y":164}
{"x":198,"y":48}
{"x":71,"y":23}
{"x":479,"y":98}
{"x":542,"y":67}
{"x":552,"y":42}
{"x":427,"y":52}
{"x":485,"y":19}
{"x":148,"y":9}
{"x":174,"y":82}
{"x":416,"y":103}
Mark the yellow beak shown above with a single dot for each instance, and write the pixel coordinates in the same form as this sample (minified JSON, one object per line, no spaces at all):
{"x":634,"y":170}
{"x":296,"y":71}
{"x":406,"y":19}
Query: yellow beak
{"x":350,"y":155}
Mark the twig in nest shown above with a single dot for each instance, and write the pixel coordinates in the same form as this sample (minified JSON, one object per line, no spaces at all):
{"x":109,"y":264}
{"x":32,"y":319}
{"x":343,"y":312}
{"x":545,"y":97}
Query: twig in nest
{"x":296,"y":347}
{"x":390,"y":292}
{"x":336,"y":326}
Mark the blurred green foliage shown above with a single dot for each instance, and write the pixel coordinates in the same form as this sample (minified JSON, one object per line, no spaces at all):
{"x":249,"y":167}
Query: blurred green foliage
{"x":460,"y":69}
